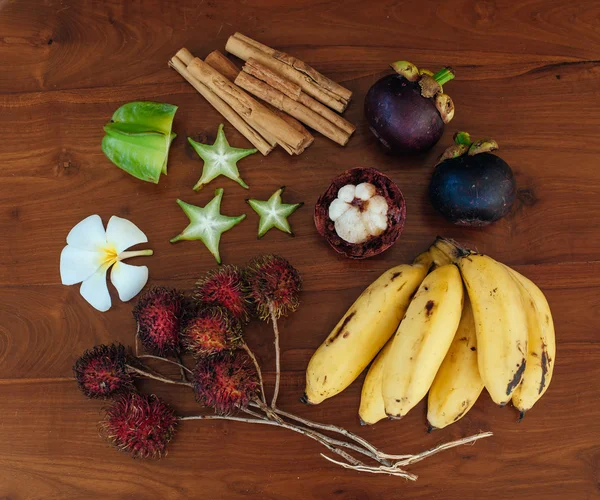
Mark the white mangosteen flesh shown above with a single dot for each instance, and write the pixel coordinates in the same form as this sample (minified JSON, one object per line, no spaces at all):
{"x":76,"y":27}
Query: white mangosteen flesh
{"x":359,"y":213}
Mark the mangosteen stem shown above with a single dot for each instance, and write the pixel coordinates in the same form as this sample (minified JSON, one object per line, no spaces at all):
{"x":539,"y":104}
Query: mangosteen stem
{"x":444,"y":75}
{"x":277,"y":356}
{"x":180,"y":364}
{"x":157,"y":377}
{"x":258,"y":370}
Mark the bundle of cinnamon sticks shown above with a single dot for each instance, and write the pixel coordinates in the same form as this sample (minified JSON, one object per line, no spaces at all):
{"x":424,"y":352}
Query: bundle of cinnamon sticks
{"x":291,"y":93}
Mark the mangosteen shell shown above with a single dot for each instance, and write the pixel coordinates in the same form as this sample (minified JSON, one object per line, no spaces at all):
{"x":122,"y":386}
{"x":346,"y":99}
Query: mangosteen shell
{"x":400,"y":117}
{"x":396,"y":213}
{"x":473,"y":190}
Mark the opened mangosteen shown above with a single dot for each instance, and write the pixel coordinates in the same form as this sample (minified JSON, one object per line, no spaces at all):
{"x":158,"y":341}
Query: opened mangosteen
{"x":407,"y":111}
{"x":361,"y":214}
{"x":470,"y":186}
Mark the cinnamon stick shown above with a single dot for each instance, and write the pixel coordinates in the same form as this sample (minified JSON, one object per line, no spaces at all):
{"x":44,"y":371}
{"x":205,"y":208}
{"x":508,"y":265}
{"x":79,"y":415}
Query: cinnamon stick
{"x":228,"y":69}
{"x":301,"y":66}
{"x":260,"y":71}
{"x":257,"y":115}
{"x":223,"y":108}
{"x":284,"y":103}
{"x":240,"y":48}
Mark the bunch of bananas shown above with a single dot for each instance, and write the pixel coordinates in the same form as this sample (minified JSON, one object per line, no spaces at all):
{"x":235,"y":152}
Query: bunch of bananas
{"x":427,"y":335}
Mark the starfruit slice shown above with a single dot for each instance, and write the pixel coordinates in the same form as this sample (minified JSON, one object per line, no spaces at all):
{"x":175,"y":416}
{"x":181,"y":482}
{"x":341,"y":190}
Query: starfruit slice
{"x":138,"y":138}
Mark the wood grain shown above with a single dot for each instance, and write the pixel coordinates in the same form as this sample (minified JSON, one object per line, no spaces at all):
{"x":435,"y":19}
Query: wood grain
{"x":527,"y":76}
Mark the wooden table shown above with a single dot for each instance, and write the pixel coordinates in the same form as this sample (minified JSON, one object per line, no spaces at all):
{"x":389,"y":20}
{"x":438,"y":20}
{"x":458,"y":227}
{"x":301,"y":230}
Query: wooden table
{"x":527,"y":75}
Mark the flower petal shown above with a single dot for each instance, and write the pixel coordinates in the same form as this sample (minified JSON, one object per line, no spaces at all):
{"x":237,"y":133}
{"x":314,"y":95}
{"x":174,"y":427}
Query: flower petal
{"x":89,"y":234}
{"x":122,"y":234}
{"x":128,"y":280}
{"x":95,"y":290}
{"x":78,"y":265}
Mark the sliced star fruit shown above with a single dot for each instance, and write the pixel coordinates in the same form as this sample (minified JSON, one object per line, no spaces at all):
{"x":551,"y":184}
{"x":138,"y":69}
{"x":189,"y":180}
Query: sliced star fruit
{"x":361,"y":214}
{"x":138,"y":138}
{"x":207,"y":224}
{"x":219,"y":159}
{"x":273,"y":213}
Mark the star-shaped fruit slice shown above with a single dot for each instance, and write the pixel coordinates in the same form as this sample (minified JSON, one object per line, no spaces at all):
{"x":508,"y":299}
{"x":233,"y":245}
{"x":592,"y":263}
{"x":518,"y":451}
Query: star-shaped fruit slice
{"x":273,"y":213}
{"x":207,"y":224}
{"x":219,"y":159}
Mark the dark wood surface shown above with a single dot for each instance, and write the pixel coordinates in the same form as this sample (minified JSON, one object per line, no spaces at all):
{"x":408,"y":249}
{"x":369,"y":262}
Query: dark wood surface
{"x":527,"y":75}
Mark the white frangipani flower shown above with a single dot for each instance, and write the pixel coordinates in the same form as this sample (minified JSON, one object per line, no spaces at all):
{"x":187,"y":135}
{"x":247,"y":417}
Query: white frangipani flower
{"x":91,"y":251}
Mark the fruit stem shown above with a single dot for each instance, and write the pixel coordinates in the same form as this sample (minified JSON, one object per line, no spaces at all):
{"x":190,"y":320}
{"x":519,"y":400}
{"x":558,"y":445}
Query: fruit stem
{"x":462,"y":138}
{"x":277,"y":356}
{"x":444,"y":75}
{"x":180,"y":364}
{"x":258,"y":370}
{"x":157,"y":377}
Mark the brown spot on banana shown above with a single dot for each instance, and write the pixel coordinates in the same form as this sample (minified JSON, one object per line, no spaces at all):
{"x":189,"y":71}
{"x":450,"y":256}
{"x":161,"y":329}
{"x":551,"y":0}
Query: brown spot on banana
{"x":429,"y":307}
{"x":516,"y":378}
{"x":396,"y":275}
{"x":545,"y":366}
{"x":339,"y":330}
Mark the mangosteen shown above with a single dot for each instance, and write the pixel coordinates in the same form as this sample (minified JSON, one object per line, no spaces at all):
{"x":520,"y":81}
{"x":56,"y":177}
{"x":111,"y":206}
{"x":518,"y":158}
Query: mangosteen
{"x":407,"y":111}
{"x":471,"y":186}
{"x":361,"y":214}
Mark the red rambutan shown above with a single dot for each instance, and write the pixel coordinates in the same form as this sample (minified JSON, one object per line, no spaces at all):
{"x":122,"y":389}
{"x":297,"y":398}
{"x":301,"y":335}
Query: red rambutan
{"x":160,"y":316}
{"x":211,"y":331}
{"x":140,"y":425}
{"x":225,"y":382}
{"x":274,"y":285}
{"x":225,"y":287}
{"x":101,"y":372}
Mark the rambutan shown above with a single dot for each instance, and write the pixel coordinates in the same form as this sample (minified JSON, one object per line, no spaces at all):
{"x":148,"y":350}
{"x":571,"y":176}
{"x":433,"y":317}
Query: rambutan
{"x":225,"y":382}
{"x":101,"y":372}
{"x":211,"y":331}
{"x":160,"y":314}
{"x":140,"y":425}
{"x":225,"y":287}
{"x":274,"y":285}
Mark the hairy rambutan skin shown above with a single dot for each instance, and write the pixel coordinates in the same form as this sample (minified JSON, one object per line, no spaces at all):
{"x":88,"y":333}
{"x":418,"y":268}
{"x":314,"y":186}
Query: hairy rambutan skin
{"x":211,"y":331}
{"x":140,"y":425}
{"x":225,"y":287}
{"x":160,"y":314}
{"x":274,"y":284}
{"x":101,"y":372}
{"x":226,"y":382}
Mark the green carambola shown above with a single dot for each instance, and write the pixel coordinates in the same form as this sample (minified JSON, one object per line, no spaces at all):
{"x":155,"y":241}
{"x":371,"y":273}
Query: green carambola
{"x":207,"y":224}
{"x":219,"y":159}
{"x":138,"y":138}
{"x":273,"y":213}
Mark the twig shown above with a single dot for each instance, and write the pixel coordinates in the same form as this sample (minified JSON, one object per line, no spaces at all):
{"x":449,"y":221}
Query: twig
{"x":183,"y":368}
{"x":444,"y":446}
{"x":180,"y":365}
{"x":157,"y":377}
{"x":269,"y":412}
{"x":340,"y":430}
{"x":258,"y":370}
{"x":324,"y":440}
{"x":277,"y":357}
{"x":374,"y":470}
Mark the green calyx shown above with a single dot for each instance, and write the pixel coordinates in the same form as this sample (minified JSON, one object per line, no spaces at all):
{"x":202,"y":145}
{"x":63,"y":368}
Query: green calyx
{"x":219,"y":159}
{"x":462,"y":138}
{"x":444,"y":76}
{"x":273,"y":213}
{"x":407,"y":69}
{"x":207,"y":224}
{"x":463,"y":145}
{"x":138,"y":138}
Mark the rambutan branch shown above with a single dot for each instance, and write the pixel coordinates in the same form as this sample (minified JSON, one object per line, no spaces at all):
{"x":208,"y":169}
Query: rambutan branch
{"x":180,"y":364}
{"x":157,"y":377}
{"x":277,"y":356}
{"x":258,"y":370}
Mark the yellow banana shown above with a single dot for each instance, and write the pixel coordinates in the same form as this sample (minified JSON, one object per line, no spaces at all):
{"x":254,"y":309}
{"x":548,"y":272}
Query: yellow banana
{"x":500,"y":322}
{"x":422,"y":340}
{"x":372,"y":409}
{"x":362,"y":331}
{"x":541,"y":348}
{"x":457,"y":384}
